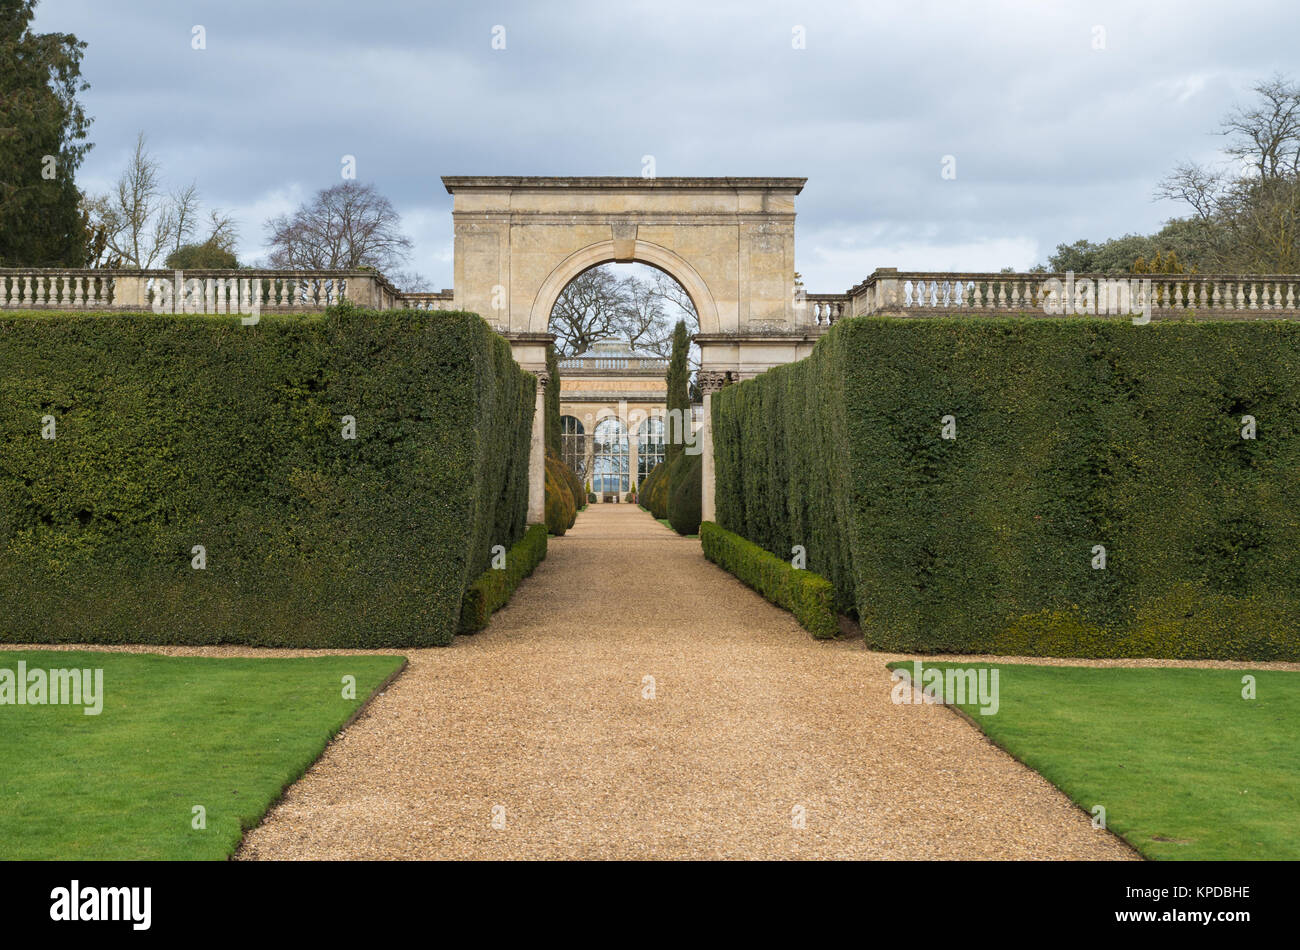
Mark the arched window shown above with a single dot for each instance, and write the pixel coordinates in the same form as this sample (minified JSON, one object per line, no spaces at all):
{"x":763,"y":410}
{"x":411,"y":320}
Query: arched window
{"x":649,"y":447}
{"x":573,"y":445}
{"x":609,"y":457}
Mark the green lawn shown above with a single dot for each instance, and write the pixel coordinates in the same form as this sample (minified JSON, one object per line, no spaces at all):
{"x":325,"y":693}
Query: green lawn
{"x":1184,"y":766}
{"x":175,"y":732}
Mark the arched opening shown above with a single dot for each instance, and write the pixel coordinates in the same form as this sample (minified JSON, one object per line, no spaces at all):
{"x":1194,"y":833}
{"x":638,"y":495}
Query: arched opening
{"x":634,"y":304}
{"x":701,"y":305}
{"x":613,"y":326}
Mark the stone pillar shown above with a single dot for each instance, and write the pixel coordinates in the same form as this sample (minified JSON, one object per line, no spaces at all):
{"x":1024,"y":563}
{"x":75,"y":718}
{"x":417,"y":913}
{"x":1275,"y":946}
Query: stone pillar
{"x":537,"y":455}
{"x":589,"y":453}
{"x":129,"y":292}
{"x":632,"y":451}
{"x":710,"y":383}
{"x":887,"y":295}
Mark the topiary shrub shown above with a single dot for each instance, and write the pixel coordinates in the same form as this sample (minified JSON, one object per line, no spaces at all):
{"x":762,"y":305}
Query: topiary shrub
{"x":561,"y":511}
{"x":655,"y":492}
{"x":647,"y":486}
{"x":576,"y":488}
{"x":685,"y":478}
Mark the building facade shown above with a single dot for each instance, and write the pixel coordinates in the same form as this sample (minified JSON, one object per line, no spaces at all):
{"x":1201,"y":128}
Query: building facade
{"x":613,"y":425}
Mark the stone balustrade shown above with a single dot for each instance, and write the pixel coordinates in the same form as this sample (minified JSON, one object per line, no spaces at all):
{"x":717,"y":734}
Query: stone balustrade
{"x":822,"y":310}
{"x":886,"y":292}
{"x":606,"y":363}
{"x":1212,"y":296}
{"x":442,"y":300}
{"x":205,"y":291}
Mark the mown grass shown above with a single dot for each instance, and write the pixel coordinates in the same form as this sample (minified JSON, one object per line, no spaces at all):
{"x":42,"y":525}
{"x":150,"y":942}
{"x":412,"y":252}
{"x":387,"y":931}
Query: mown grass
{"x":175,"y":732}
{"x":1185,"y":767}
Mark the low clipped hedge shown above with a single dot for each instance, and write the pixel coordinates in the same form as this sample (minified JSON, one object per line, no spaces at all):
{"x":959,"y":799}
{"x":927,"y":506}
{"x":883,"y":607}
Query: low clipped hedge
{"x":1070,"y":433}
{"x":494,"y":587}
{"x":181,"y":431}
{"x":809,"y":597}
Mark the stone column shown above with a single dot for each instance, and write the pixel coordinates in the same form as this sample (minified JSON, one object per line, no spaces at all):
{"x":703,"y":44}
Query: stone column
{"x":710,"y":383}
{"x":589,"y":453}
{"x":537,"y":455}
{"x":631,"y":458}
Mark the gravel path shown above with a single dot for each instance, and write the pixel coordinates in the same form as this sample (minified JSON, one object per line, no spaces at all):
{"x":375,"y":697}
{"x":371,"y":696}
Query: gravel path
{"x":544,"y":721}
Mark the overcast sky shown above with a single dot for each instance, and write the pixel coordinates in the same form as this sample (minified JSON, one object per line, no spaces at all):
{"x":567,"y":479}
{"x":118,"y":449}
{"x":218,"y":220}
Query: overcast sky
{"x":1053,"y":139}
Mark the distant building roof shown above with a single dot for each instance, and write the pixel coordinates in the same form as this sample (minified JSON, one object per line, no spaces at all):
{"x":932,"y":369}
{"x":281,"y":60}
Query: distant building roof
{"x":619,"y":348}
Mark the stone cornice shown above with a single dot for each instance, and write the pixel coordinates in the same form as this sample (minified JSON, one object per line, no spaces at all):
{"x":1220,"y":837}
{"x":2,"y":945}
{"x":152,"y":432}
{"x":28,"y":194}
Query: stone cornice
{"x":454,"y":183}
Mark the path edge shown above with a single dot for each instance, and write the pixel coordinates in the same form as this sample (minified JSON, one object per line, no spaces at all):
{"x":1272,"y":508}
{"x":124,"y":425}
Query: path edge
{"x":235,"y":855}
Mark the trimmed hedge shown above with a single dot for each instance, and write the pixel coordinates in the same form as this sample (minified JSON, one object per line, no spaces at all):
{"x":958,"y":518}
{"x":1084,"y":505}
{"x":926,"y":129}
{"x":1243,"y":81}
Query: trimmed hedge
{"x":177,"y":431}
{"x":684,"y":481}
{"x":494,"y":586}
{"x":809,"y":597}
{"x":1070,"y":434}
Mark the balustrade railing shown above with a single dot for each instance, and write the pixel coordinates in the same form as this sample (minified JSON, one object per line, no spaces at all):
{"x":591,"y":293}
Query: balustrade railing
{"x":590,"y":363}
{"x":425,"y":301}
{"x":886,"y":291}
{"x":204,"y":291}
{"x":1221,"y":296}
{"x":822,"y":310}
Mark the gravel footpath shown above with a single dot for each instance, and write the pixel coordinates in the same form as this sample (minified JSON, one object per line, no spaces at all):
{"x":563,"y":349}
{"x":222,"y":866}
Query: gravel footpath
{"x":542,"y":725}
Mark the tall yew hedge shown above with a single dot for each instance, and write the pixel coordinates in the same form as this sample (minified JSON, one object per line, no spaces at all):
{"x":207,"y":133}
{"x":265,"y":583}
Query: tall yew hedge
{"x":177,"y":431}
{"x":1070,"y":434}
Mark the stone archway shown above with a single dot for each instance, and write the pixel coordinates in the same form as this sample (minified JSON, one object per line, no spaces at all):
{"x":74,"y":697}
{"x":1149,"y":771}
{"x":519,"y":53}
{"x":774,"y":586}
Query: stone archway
{"x":728,"y":241}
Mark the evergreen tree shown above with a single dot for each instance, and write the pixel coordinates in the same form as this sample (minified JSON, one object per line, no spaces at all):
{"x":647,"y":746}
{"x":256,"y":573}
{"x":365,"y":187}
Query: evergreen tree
{"x":679,"y":397}
{"x":552,"y":401}
{"x":42,"y":143}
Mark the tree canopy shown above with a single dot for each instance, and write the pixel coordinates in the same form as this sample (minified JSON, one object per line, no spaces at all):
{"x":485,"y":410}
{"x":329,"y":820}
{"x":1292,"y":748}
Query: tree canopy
{"x":1243,"y":214}
{"x":42,"y":143}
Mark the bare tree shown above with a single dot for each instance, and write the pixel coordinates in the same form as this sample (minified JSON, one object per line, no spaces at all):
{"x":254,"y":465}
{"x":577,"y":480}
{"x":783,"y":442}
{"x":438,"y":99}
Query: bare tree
{"x":1267,"y":135}
{"x":137,"y":223}
{"x":679,"y":302}
{"x":344,"y":227}
{"x":135,"y":218}
{"x":641,"y":310}
{"x":180,"y":216}
{"x":590,"y":309}
{"x":1247,"y":218}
